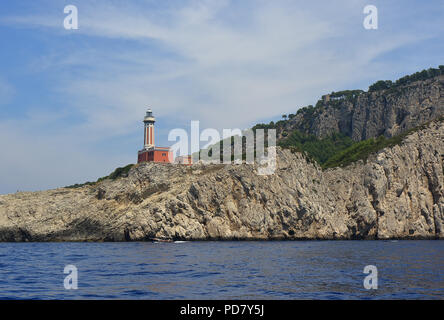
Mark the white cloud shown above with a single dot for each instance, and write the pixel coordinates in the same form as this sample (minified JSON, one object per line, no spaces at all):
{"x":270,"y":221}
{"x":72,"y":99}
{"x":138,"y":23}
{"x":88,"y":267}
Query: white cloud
{"x":273,"y":62}
{"x":226,"y":63}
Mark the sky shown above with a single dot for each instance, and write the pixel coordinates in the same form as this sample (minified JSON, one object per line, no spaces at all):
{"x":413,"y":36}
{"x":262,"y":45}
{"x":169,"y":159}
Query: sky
{"x":72,"y":101}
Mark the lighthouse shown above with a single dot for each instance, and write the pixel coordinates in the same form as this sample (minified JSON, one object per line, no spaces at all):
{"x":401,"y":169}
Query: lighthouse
{"x":149,"y":121}
{"x":151,"y":153}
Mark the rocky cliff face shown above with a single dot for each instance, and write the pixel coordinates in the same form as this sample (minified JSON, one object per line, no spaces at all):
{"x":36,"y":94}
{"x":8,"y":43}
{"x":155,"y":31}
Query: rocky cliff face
{"x":371,"y":114}
{"x":398,"y":193}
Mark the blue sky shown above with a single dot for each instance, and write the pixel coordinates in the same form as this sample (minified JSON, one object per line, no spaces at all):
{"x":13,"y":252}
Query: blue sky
{"x":71,"y":101}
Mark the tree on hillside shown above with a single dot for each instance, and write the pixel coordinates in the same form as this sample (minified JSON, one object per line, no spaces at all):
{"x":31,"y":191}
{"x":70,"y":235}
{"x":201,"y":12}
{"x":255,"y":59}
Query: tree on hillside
{"x":380,"y":85}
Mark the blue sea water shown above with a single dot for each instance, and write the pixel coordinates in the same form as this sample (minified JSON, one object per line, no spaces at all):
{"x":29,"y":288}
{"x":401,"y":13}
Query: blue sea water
{"x":223,"y":270}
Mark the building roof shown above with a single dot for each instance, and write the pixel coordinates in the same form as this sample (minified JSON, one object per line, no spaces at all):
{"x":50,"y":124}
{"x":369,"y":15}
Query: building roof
{"x":168,"y":149}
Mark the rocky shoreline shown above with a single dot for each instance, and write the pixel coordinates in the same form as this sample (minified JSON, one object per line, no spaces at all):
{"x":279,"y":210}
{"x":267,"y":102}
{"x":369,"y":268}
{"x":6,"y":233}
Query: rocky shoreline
{"x":397,"y":194}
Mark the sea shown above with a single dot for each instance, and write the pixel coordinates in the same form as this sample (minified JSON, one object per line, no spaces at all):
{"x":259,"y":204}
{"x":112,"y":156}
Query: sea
{"x":223,"y":270}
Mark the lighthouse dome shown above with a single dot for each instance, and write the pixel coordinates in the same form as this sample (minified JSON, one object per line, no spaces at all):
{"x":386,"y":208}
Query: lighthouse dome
{"x":149,"y":116}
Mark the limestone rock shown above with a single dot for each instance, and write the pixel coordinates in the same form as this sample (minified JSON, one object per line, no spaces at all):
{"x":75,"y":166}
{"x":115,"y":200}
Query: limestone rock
{"x":397,"y":193}
{"x":385,"y":112}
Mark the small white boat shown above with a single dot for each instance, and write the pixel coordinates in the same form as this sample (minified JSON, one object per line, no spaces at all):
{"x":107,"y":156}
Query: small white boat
{"x":161,"y":240}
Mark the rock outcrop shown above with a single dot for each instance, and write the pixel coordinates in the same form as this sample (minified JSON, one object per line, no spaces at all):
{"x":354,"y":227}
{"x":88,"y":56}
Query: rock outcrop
{"x":371,"y":114}
{"x":397,"y":193}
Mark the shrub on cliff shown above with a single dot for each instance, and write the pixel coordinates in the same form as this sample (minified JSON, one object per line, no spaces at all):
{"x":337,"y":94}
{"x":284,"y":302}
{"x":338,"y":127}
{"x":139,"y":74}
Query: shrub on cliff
{"x":417,"y":76}
{"x":118,"y":173}
{"x":380,"y":85}
{"x":319,"y":149}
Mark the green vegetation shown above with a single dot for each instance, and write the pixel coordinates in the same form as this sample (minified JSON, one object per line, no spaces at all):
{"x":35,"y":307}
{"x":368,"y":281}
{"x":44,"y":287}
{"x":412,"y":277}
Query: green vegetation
{"x":79,"y":185}
{"x":346,"y":94}
{"x":318,"y":149}
{"x":421,"y":75}
{"x":271,"y":125}
{"x":358,"y":151}
{"x":306,"y":110}
{"x":339,"y":150}
{"x":363,"y":149}
{"x":307,"y":115}
{"x":380,"y":85}
{"x":118,"y":173}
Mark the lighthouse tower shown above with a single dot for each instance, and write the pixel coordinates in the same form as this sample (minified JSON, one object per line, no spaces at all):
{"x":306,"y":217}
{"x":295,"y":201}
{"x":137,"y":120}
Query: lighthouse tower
{"x":151,"y":153}
{"x":149,"y":121}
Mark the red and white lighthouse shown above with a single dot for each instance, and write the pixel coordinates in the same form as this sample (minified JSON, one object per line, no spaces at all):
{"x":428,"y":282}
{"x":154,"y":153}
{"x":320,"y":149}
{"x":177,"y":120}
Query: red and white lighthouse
{"x":149,"y":121}
{"x":151,"y":153}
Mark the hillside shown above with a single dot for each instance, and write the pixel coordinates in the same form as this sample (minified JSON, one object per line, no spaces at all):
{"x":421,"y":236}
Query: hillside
{"x":358,"y":165}
{"x":358,"y":123}
{"x":384,"y":110}
{"x":398,"y":193}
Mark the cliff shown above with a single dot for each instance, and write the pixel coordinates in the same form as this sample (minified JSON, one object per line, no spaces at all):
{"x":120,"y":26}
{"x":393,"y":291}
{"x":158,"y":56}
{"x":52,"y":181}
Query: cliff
{"x":396,"y":193}
{"x":363,"y":115}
